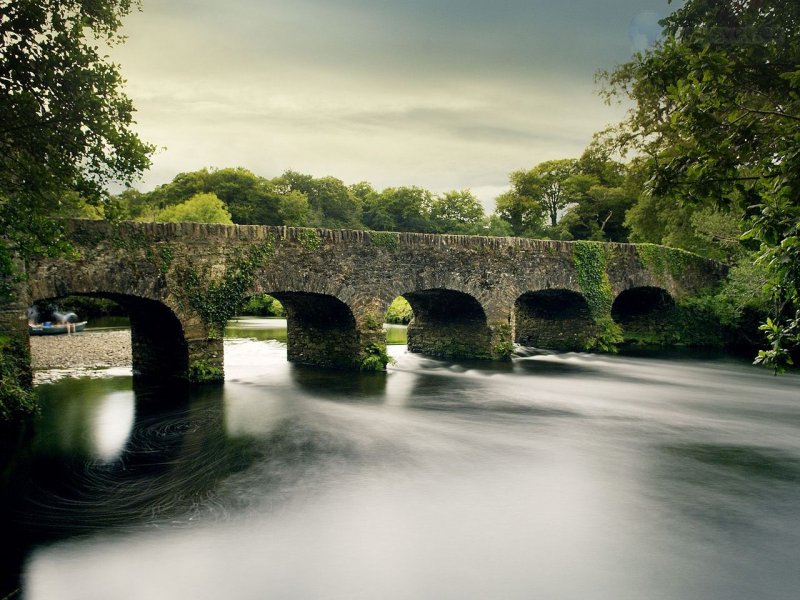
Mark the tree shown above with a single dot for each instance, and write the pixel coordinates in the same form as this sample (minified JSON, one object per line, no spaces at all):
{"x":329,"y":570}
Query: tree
{"x":599,"y":211}
{"x":400,"y":209}
{"x":331,"y":201}
{"x":523,"y":214}
{"x":251,"y":199}
{"x":717,"y":111}
{"x":65,"y":125}
{"x":200,"y":208}
{"x":545,"y":183}
{"x":182,"y":187}
{"x":457,"y":212}
{"x":294,"y":210}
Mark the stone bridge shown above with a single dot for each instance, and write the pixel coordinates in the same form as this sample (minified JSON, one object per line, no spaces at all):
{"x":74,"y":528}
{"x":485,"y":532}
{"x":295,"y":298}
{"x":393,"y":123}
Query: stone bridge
{"x":472,"y":296}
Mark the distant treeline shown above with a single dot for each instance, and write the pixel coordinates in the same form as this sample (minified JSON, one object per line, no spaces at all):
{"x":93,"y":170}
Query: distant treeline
{"x":588,"y":198}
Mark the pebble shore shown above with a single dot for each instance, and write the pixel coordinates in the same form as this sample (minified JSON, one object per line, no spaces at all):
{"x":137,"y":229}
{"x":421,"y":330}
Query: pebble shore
{"x":84,"y":350}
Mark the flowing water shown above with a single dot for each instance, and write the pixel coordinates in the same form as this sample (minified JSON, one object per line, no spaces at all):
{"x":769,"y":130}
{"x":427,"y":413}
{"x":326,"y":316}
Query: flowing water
{"x":558,"y":476}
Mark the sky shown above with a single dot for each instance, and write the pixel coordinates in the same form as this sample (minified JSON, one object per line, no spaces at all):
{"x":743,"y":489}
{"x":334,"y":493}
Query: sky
{"x":442,"y":94}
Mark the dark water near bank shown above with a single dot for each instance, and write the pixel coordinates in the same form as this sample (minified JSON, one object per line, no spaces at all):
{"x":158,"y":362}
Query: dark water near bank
{"x":108,"y":323}
{"x":555,"y":477}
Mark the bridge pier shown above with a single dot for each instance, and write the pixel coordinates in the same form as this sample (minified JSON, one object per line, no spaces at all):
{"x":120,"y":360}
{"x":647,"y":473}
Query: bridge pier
{"x":323,"y":331}
{"x":451,"y":324}
{"x":159,"y":344}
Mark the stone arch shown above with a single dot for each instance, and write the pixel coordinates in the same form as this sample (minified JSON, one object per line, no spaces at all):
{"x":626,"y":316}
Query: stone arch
{"x":159,"y":349}
{"x":449,"y":324}
{"x":642,"y":300}
{"x":645,"y":313}
{"x":557,"y":319}
{"x":321,"y":329}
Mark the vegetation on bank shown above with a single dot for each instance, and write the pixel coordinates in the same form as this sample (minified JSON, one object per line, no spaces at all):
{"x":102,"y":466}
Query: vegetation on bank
{"x":399,"y":312}
{"x":716,"y":121}
{"x":16,"y":395}
{"x":263,"y":305}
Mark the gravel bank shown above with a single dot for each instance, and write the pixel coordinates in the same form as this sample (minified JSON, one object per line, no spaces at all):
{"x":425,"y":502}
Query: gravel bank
{"x":85,"y":350}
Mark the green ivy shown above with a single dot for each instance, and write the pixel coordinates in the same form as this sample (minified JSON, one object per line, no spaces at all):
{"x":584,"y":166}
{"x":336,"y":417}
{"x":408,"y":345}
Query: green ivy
{"x":384,"y":239}
{"x":591,"y":261}
{"x":218,"y":301}
{"x":203,"y":372}
{"x":133,"y":240}
{"x":504,"y":348}
{"x":607,"y":335}
{"x":374,"y":358}
{"x":663,"y":262}
{"x":309,"y":239}
{"x":372,"y":322}
{"x":165,"y":256}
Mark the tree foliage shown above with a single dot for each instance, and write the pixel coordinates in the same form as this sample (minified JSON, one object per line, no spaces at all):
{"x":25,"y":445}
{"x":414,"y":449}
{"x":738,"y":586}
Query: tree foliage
{"x":583,"y":199}
{"x":523,"y":214}
{"x":546,"y":183}
{"x":457,"y":211}
{"x":717,"y":114}
{"x":65,"y":124}
{"x":200,"y":208}
{"x":400,"y":209}
{"x":331,"y":202}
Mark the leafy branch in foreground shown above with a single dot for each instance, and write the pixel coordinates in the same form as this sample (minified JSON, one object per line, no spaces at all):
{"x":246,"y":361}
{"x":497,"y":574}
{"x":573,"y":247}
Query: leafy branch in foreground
{"x":65,"y":125}
{"x":717,"y":114}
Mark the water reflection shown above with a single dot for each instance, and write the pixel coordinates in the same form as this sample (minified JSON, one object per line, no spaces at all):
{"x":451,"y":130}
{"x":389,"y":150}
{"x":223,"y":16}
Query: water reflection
{"x":558,"y":476}
{"x":111,"y":426}
{"x":89,"y":419}
{"x":257,"y":329}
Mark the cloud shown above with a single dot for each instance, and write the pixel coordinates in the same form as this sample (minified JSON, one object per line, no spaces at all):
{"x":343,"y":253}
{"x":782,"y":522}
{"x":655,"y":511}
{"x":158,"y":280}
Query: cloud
{"x":644,"y":30}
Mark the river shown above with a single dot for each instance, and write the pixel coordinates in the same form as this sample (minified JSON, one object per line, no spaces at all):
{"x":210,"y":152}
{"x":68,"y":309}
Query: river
{"x":557,"y":476}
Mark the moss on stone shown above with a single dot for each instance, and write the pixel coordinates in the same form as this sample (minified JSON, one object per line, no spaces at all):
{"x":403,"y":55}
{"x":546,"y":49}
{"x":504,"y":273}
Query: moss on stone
{"x":204,"y":372}
{"x":218,"y":301}
{"x":591,"y":263}
{"x":691,"y":322}
{"x":165,"y":258}
{"x":384,"y":239}
{"x":591,"y":260}
{"x":373,"y":357}
{"x":667,"y":263}
{"x":503,"y":348}
{"x":309,"y":239}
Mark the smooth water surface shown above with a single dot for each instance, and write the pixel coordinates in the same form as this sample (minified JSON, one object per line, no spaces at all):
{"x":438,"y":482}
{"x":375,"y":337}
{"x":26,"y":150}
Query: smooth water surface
{"x":559,"y":476}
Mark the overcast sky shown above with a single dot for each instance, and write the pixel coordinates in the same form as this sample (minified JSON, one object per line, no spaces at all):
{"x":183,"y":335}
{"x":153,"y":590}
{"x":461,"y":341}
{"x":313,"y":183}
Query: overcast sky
{"x":444,"y":94}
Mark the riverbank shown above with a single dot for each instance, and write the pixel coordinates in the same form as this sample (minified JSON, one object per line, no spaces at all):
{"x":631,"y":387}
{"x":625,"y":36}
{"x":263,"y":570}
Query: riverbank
{"x":86,"y":351}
